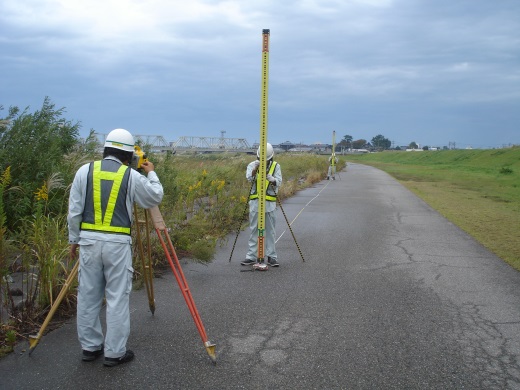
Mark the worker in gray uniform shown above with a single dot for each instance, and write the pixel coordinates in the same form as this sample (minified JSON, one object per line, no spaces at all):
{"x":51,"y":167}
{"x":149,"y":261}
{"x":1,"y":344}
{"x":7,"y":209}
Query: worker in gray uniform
{"x":333,"y":162}
{"x":273,"y":183}
{"x":100,"y":217}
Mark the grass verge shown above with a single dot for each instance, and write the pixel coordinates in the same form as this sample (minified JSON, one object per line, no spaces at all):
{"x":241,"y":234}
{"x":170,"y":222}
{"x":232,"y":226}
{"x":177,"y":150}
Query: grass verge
{"x":478,"y":190}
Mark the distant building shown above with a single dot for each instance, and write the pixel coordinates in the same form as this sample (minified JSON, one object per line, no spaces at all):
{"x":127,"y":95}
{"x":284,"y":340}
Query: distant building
{"x":287,"y":145}
{"x":302,"y":149}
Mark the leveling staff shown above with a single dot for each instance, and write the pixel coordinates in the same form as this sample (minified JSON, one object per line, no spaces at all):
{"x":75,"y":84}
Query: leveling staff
{"x":333,"y":162}
{"x":273,"y":183}
{"x":100,"y":216}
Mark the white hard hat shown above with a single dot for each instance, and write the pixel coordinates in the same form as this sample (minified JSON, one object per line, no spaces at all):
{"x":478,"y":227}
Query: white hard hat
{"x":269,"y":151}
{"x":120,"y":139}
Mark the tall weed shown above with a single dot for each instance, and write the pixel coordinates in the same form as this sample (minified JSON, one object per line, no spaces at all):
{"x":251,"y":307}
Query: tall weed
{"x":5,"y":179}
{"x":48,"y":246}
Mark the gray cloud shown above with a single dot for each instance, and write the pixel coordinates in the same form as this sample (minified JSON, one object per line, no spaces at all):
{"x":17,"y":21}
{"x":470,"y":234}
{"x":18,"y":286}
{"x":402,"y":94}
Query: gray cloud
{"x":430,"y":71}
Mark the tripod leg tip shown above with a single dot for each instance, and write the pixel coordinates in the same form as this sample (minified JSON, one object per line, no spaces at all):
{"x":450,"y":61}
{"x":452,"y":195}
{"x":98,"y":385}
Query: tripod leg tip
{"x":210,"y":349}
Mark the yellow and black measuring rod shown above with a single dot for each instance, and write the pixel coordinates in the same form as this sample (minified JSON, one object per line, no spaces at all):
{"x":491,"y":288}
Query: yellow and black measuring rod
{"x":333,"y":157}
{"x":263,"y":144}
{"x":261,"y":181}
{"x":333,"y":161}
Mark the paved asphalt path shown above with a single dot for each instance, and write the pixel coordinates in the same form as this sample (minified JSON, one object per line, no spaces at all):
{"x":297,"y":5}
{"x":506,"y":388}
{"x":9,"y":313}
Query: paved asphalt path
{"x":391,"y":296}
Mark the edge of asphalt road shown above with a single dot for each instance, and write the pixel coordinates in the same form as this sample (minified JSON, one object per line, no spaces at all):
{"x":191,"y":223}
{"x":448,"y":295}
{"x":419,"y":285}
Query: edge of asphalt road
{"x":178,"y":358}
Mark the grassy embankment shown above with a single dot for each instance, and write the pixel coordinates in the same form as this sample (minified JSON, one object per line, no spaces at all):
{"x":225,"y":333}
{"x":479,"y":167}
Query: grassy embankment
{"x":478,"y":190}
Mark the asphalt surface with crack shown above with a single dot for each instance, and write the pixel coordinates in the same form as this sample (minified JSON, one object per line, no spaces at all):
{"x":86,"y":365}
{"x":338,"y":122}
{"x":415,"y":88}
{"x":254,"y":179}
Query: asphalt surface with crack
{"x":390,"y":295}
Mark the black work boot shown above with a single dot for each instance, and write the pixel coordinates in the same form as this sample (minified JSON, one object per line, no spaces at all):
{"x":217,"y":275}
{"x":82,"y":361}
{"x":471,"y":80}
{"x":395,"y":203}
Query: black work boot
{"x":89,"y":356}
{"x":127,"y":357}
{"x":248,"y":262}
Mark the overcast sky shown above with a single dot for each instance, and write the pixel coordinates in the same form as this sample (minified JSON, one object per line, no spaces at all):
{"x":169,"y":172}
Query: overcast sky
{"x":430,"y":71}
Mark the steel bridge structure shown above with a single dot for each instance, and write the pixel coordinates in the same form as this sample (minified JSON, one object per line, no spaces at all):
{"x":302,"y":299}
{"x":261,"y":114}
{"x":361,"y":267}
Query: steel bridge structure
{"x":189,"y":144}
{"x":211,"y":144}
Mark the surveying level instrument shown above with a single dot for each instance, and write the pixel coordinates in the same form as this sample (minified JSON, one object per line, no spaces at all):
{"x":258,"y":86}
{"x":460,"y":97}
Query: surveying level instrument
{"x":138,"y":158}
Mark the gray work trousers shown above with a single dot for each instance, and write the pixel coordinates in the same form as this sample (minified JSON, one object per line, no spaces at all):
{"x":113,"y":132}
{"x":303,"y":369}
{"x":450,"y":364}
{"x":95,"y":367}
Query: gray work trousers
{"x":332,"y":171}
{"x":105,"y":271}
{"x":269,"y":240}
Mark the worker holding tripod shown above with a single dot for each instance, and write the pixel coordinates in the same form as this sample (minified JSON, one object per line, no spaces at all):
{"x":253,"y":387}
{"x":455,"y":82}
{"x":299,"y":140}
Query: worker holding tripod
{"x":100,"y":217}
{"x":273,"y":183}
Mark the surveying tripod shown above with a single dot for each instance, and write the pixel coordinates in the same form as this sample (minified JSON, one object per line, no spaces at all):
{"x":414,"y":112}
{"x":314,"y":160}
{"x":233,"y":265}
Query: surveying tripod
{"x":142,"y":222}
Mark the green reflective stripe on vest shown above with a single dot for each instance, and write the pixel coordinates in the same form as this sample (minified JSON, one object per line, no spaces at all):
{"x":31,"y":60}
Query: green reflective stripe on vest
{"x":103,"y":223}
{"x":269,"y":198}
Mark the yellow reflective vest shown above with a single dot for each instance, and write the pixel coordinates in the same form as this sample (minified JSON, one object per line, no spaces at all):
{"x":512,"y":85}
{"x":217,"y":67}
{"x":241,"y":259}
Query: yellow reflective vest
{"x":268,"y":197}
{"x":105,"y":199}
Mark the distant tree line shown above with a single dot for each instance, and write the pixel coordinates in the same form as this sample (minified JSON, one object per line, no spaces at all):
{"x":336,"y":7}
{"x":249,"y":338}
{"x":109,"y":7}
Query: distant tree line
{"x":378,"y":143}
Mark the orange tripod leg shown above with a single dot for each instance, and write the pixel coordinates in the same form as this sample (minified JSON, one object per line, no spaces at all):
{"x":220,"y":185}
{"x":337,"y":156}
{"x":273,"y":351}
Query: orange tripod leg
{"x":175,"y":265}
